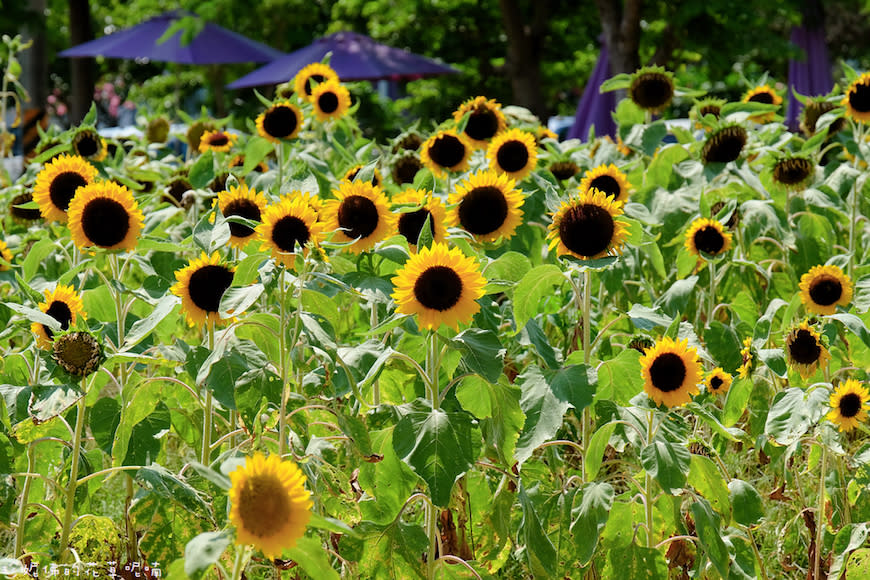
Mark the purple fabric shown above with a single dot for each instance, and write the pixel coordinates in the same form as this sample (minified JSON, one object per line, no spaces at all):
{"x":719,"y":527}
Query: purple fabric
{"x":355,"y":57}
{"x":810,"y":76}
{"x":213,"y":45}
{"x":595,"y":108}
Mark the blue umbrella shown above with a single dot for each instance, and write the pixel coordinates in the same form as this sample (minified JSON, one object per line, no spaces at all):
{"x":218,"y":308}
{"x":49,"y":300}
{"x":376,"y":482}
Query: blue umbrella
{"x":213,"y":45}
{"x":810,"y":76}
{"x":595,"y":108}
{"x":355,"y":57}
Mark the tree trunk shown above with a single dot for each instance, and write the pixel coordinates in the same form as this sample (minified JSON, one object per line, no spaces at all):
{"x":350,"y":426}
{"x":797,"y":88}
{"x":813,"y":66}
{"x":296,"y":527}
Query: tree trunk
{"x":620,"y":22}
{"x":81,"y":69}
{"x":524,"y":54}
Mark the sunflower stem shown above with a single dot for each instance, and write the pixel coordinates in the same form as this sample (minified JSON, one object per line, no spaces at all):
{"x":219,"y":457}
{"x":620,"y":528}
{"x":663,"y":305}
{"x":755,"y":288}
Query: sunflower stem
{"x":432,"y":532}
{"x":282,"y":352}
{"x":820,"y":513}
{"x":22,"y":512}
{"x":243,"y":556}
{"x":206,"y":416}
{"x":280,"y":183}
{"x":648,"y":484}
{"x":711,"y":299}
{"x":73,"y":476}
{"x":853,"y":210}
{"x":432,"y":369}
{"x":586,"y":419}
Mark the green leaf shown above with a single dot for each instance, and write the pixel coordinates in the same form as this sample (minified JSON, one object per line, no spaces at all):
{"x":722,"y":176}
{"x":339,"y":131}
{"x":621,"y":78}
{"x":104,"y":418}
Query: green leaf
{"x":646,"y":318}
{"x":633,"y":561}
{"x":762,"y":327}
{"x":732,"y":434}
{"x":724,"y":345}
{"x":356,"y":430}
{"x":141,"y":328}
{"x":534,"y":336}
{"x":709,"y":536}
{"x":590,"y":517}
{"x":574,"y":383}
{"x":256,"y":149}
{"x":49,"y":401}
{"x":320,"y":522}
{"x":426,"y":238}
{"x":620,"y":379}
{"x":202,"y":172}
{"x":676,"y":298}
{"x":736,"y":401}
{"x":169,"y":486}
{"x":481,"y":352}
{"x":509,"y":267}
{"x":497,"y":406}
{"x":652,"y":137}
{"x":595,"y":451}
{"x":668,"y":463}
{"x":34,"y":315}
{"x":790,"y":416}
{"x":774,"y":359}
{"x":531,"y":290}
{"x":849,"y":538}
{"x":540,"y":551}
{"x":91,"y":116}
{"x":616,"y":83}
{"x":746,"y":503}
{"x":854,"y":324}
{"x":662,"y":165}
{"x":705,"y":477}
{"x":236,"y":300}
{"x":216,"y":477}
{"x":543,"y":409}
{"x":312,"y":558}
{"x":203,"y":551}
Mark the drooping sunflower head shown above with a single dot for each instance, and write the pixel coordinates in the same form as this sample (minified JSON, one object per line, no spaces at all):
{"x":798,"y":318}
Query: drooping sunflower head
{"x":446,"y":151}
{"x":358,"y":214}
{"x":21,"y":214}
{"x":410,"y":140}
{"x":288,"y":227}
{"x":57,"y":182}
{"x":824,"y":288}
{"x":724,"y":145}
{"x":405,"y":168}
{"x":88,"y":144}
{"x":814,"y":108}
{"x":848,"y":405}
{"x":857,"y":99}
{"x":312,"y":76}
{"x":607,"y":179}
{"x":269,"y":505}
{"x":564,"y":170}
{"x":331,"y":100}
{"x":419,"y":206}
{"x":793,"y":172}
{"x":718,"y":381}
{"x":104,"y":214}
{"x":218,"y":141}
{"x":175,"y":190}
{"x":671,"y":372}
{"x":64,"y":305}
{"x":377,"y":178}
{"x":486,"y":205}
{"x":440,"y":286}
{"x":805,"y":350}
{"x":201,"y":285}
{"x":242,"y":201}
{"x":279,"y":122}
{"x":78,"y":353}
{"x":706,"y":106}
{"x":513,"y":153}
{"x":706,"y":237}
{"x":586,"y":226}
{"x":195,"y":131}
{"x":6,"y":255}
{"x":746,"y":354}
{"x":157,"y":130}
{"x":485,"y":120}
{"x":765,"y":95}
{"x":652,"y":88}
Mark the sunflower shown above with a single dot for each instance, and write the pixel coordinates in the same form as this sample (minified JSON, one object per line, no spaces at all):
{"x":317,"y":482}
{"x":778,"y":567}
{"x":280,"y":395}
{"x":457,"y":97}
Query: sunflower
{"x":377,"y":179}
{"x":64,"y":305}
{"x":707,"y":237}
{"x":762,"y":94}
{"x":823,"y":288}
{"x":6,"y":255}
{"x":239,"y":161}
{"x":440,"y":286}
{"x":671,"y":372}
{"x":486,"y":205}
{"x":219,"y":141}
{"x":317,"y":72}
{"x":57,"y":183}
{"x":157,"y":130}
{"x":607,"y":179}
{"x":78,"y":353}
{"x":87,"y":143}
{"x":513,"y":153}
{"x":746,"y":354}
{"x":857,"y":99}
{"x":195,"y":131}
{"x":485,"y":120}
{"x":280,"y":121}
{"x":805,"y":350}
{"x":848,"y":405}
{"x":176,"y":189}
{"x":104,"y":214}
{"x":287,"y":224}
{"x":564,"y":170}
{"x":704,"y":107}
{"x":201,"y":285}
{"x":408,"y":141}
{"x":793,"y":172}
{"x":446,"y":151}
{"x":405,"y":168}
{"x":331,"y":100}
{"x":718,"y":381}
{"x":410,"y":223}
{"x":359,"y":214}
{"x":586,"y":226}
{"x":652,"y":88}
{"x":725,"y":145}
{"x":813,"y":110}
{"x":21,"y":213}
{"x":242,"y":202}
{"x":269,"y":505}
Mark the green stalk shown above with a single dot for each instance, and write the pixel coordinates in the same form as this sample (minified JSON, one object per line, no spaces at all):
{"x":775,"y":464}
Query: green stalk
{"x":280,"y":168}
{"x":206,"y":417}
{"x":73,"y":476}
{"x":282,"y":367}
{"x":853,"y":210}
{"x":25,"y":493}
{"x":648,"y":486}
{"x":243,"y":555}
{"x":432,"y":532}
{"x":586,"y":419}
{"x":820,"y":513}
{"x":711,"y":302}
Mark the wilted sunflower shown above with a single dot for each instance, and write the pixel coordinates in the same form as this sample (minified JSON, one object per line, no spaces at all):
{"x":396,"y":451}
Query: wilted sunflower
{"x":64,"y":305}
{"x":6,"y":255}
{"x":486,"y":205}
{"x":704,"y":107}
{"x":408,"y":141}
{"x":176,"y":189}
{"x":195,"y":131}
{"x":766,"y":95}
{"x":857,"y":99}
{"x":513,"y":153}
{"x":78,"y":353}
{"x":21,"y":213}
{"x":671,"y":372}
{"x":485,"y":120}
{"x":607,"y":179}
{"x":440,"y":286}
{"x":707,"y":237}
{"x":269,"y":505}
{"x":805,"y":350}
{"x":405,"y":168}
{"x":793,"y":172}
{"x":157,"y":130}
{"x":823,"y":288}
{"x":446,"y":151}
{"x":57,"y":183}
{"x":652,"y":88}
{"x":814,"y":108}
{"x":724,"y":145}
{"x":746,"y":354}
{"x":280,"y":121}
{"x":718,"y":381}
{"x":377,"y":179}
{"x":310,"y":76}
{"x":219,"y":141}
{"x":243,"y":202}
{"x":848,"y":405}
{"x":88,"y":144}
{"x":331,"y":100}
{"x":410,"y":223}
{"x":586,"y":226}
{"x":104,"y":214}
{"x":564,"y":170}
{"x":201,"y":285}
{"x":287,"y":227}
{"x":359,"y":214}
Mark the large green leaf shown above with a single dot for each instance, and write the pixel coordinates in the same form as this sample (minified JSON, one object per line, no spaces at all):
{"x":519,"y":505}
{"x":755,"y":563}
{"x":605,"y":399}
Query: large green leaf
{"x":544,"y":412}
{"x":393,"y":550}
{"x":532,"y":289}
{"x":792,"y":413}
{"x":705,"y":477}
{"x":710,"y":537}
{"x":748,"y":508}
{"x":387,"y":483}
{"x":723,"y":345}
{"x":595,"y":451}
{"x":736,"y":401}
{"x":172,"y":487}
{"x":619,"y":378}
{"x":312,"y":558}
{"x":481,"y":352}
{"x":668,"y":463}
{"x":497,"y":406}
{"x":633,"y":561}
{"x":590,"y":517}
{"x":142,"y":327}
{"x":540,"y":552}
{"x":203,"y":551}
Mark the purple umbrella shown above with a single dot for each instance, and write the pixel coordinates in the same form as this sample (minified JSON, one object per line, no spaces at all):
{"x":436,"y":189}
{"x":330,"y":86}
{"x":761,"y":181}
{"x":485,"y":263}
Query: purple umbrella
{"x":355,"y":57}
{"x":810,"y":76}
{"x":595,"y":108}
{"x":213,"y":44}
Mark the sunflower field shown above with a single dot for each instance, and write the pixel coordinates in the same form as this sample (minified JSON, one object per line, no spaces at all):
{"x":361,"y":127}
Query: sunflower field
{"x":473,"y":351}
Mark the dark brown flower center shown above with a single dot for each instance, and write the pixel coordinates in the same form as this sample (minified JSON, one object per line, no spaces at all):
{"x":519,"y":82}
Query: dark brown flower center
{"x":826,"y":291}
{"x":290,"y":232}
{"x":78,"y":353}
{"x":447,"y":151}
{"x":710,"y":110}
{"x":652,"y":90}
{"x":512,"y":156}
{"x":482,"y":124}
{"x":564,"y":170}
{"x":764,"y":97}
{"x":410,"y":142}
{"x":105,"y":222}
{"x":328,"y":102}
{"x":792,"y":171}
{"x":804,"y":348}
{"x":406,"y":169}
{"x":87,"y":145}
{"x":22,"y":213}
{"x":724,"y":146}
{"x":207,"y":286}
{"x":63,"y":188}
{"x":245,"y":208}
{"x":264,"y":507}
{"x":859,"y":98}
{"x":177,"y":188}
{"x":438,"y":288}
{"x":59,"y":311}
{"x":607,"y":184}
{"x":667,"y":372}
{"x":483,"y":210}
{"x":310,"y":82}
{"x":411,"y":224}
{"x":358,"y":216}
{"x":218,"y":140}
{"x":280,"y":122}
{"x":850,"y":405}
{"x":716,"y":383}
{"x":709,"y":240}
{"x":587,"y":229}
